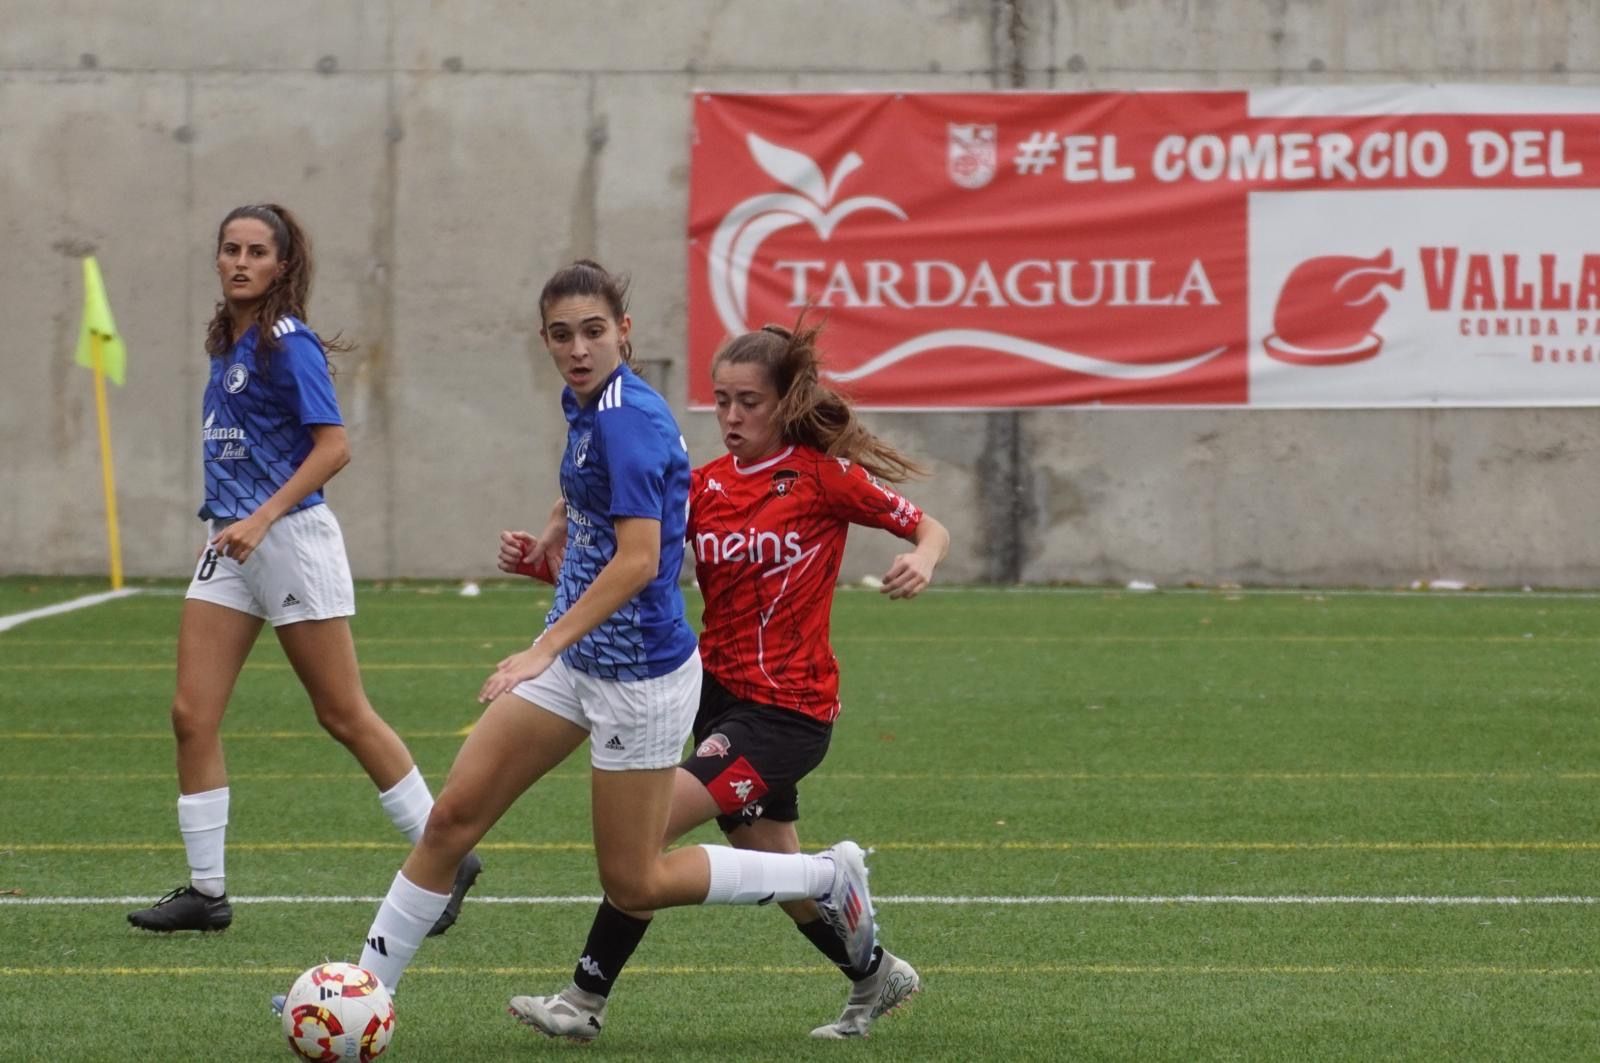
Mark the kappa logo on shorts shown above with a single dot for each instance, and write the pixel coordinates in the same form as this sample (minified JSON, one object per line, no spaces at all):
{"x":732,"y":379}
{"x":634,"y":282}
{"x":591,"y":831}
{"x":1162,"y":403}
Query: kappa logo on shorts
{"x":736,"y":787}
{"x":615,"y":744}
{"x":715,"y":745}
{"x":288,"y":600}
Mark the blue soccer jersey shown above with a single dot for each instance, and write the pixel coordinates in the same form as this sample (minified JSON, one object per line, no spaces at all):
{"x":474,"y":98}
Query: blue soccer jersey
{"x":625,"y":458}
{"x":254,"y":429}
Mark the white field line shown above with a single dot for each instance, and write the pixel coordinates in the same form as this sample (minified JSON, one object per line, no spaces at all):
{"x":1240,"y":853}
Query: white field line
{"x":15,"y":619}
{"x":1109,"y":899}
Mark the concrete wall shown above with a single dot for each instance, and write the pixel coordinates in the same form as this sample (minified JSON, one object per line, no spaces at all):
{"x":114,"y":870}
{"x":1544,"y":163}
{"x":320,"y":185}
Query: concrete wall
{"x":448,"y":156}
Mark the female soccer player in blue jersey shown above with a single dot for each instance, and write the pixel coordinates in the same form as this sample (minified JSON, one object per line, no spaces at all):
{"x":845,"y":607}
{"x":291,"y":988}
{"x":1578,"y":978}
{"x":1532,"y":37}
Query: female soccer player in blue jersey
{"x":768,"y":522}
{"x":616,"y":665}
{"x":271,"y":437}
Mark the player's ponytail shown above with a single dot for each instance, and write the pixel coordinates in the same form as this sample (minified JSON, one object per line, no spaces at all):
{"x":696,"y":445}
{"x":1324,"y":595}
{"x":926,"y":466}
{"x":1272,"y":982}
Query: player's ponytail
{"x":810,"y":412}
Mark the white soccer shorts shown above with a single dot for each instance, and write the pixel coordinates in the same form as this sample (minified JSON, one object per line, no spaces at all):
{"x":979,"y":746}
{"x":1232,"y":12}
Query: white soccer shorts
{"x":633,"y":725}
{"x":299,"y":572}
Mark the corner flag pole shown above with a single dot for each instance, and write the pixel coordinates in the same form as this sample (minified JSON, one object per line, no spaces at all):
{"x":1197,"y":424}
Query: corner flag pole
{"x":109,"y":476}
{"x":100,"y":348}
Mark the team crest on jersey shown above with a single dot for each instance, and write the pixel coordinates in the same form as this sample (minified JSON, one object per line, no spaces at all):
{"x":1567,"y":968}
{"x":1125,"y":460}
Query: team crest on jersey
{"x":783,"y":480}
{"x":716,"y":745}
{"x":580,"y":453}
{"x":235,"y":378}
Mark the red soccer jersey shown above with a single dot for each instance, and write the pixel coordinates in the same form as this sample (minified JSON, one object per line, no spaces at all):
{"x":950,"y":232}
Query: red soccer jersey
{"x":768,"y":540}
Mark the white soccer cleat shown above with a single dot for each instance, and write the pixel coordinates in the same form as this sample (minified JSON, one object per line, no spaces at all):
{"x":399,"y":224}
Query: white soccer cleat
{"x":570,"y":1013}
{"x":848,"y":906}
{"x":872,"y":998}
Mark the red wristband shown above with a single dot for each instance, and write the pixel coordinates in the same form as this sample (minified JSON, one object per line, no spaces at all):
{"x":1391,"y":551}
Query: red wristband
{"x":538,"y":569}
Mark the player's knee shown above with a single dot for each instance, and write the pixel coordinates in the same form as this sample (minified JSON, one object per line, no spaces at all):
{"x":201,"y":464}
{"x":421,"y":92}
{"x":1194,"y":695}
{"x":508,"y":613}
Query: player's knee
{"x":191,"y":722}
{"x":343,"y":718}
{"x":633,"y":889}
{"x":451,"y":825}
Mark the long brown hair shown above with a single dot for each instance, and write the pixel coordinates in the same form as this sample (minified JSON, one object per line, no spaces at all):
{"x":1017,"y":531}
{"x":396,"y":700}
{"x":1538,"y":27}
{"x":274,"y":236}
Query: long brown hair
{"x":810,"y":412}
{"x":588,"y":277}
{"x":288,"y":294}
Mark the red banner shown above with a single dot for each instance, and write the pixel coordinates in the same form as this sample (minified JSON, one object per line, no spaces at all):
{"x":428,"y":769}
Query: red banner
{"x":1388,"y":246}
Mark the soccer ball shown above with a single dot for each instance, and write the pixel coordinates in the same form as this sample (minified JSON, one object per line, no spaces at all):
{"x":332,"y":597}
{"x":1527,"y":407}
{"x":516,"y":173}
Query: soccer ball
{"x":336,"y":1012}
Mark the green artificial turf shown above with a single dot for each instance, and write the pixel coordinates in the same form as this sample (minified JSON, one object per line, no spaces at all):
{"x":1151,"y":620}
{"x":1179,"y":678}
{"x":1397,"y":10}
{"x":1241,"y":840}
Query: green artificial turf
{"x":1208,"y":825}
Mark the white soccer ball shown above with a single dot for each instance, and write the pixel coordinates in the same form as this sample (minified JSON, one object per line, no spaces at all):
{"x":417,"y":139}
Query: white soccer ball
{"x":337,"y":1012}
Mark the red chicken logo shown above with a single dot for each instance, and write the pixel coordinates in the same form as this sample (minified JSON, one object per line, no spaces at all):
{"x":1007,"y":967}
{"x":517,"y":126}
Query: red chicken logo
{"x":1328,"y":307}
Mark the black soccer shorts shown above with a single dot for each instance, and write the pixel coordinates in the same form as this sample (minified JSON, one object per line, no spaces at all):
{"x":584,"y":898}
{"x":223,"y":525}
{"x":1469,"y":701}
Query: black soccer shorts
{"x":751,"y":757}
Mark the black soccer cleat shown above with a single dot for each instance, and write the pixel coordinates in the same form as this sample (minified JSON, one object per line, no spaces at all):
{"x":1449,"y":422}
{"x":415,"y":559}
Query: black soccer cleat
{"x":466,"y":874}
{"x":185,"y":908}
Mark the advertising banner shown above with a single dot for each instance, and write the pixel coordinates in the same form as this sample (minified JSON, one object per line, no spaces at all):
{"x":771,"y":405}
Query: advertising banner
{"x":1385,"y":246}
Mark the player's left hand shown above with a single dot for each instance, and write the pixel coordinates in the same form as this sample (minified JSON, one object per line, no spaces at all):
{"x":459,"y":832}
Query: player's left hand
{"x":908,"y":576}
{"x":240,"y":539}
{"x":515,"y":669}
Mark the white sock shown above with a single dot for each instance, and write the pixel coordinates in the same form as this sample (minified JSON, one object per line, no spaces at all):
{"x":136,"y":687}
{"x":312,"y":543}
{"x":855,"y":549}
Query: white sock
{"x":408,"y":803}
{"x":408,"y":913}
{"x":744,"y":876}
{"x":203,"y":822}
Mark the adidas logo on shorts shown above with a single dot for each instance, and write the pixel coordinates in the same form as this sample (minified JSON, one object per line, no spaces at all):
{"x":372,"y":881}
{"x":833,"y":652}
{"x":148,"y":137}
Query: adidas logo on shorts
{"x":615,"y":743}
{"x":288,"y":600}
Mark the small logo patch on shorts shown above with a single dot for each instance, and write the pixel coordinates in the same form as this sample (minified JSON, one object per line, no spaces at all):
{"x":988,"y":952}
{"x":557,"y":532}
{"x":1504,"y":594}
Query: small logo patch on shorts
{"x":715,"y":745}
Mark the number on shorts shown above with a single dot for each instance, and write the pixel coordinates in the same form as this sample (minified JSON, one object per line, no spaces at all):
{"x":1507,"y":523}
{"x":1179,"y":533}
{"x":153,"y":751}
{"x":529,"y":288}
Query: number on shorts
{"x":208,"y":565}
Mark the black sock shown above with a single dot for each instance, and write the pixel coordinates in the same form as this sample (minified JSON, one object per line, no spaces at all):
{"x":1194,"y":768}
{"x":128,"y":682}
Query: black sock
{"x":820,"y":934}
{"x":612,"y":938}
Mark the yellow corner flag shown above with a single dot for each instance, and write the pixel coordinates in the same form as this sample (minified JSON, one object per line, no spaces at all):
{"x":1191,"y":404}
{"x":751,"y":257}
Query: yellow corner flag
{"x":100,"y":348}
{"x":98,"y":324}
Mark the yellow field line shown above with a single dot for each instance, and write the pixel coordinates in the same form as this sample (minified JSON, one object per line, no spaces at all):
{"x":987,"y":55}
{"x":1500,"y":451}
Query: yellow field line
{"x":361,"y":640}
{"x":1020,"y":970}
{"x":1507,"y":845}
{"x":965,"y":638}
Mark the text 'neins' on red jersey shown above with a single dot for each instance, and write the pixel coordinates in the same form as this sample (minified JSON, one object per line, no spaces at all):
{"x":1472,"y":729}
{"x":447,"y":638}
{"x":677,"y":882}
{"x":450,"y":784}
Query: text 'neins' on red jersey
{"x":768,"y":540}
